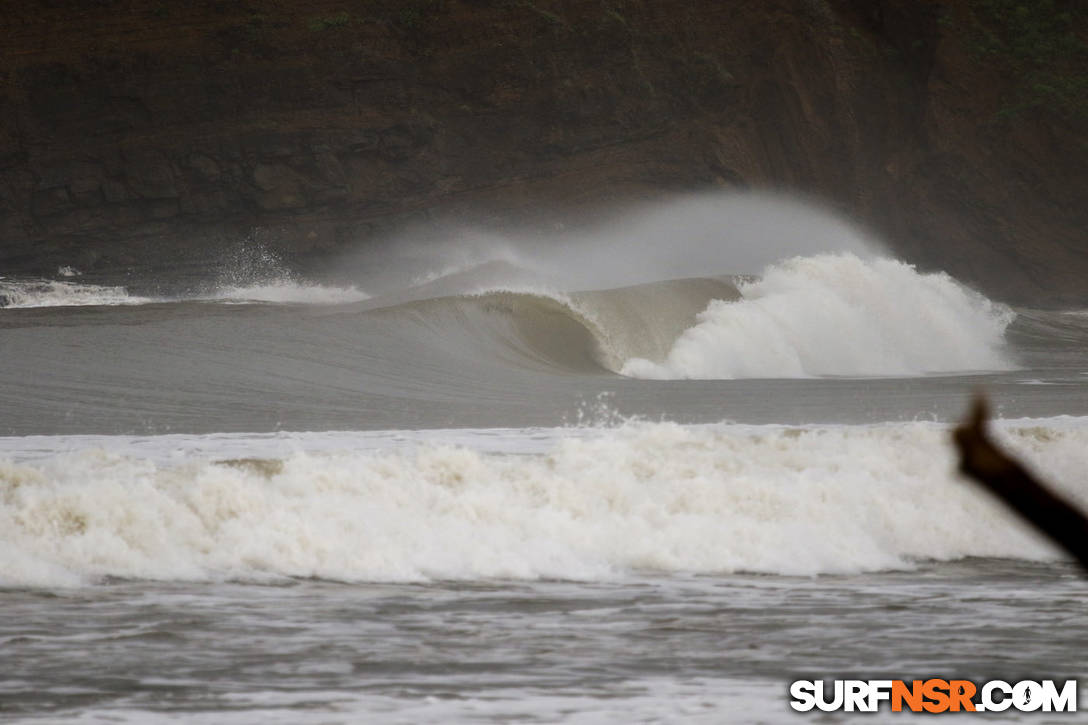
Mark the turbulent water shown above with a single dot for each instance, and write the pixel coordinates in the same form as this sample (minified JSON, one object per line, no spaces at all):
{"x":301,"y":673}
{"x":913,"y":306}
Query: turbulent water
{"x":494,"y":505}
{"x":487,"y":493}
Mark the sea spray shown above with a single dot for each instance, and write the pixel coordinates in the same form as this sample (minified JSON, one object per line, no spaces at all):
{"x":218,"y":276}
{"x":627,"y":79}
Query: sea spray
{"x":287,"y":291}
{"x":252,"y":272}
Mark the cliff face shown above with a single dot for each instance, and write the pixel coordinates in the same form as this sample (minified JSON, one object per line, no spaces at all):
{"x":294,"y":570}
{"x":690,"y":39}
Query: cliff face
{"x":147,"y":134}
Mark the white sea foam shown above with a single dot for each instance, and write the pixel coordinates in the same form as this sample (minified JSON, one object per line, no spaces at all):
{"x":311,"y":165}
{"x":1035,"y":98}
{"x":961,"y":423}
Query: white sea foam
{"x":17,"y":294}
{"x":836,"y":314}
{"x":288,"y":291}
{"x":58,"y":293}
{"x":645,"y":497}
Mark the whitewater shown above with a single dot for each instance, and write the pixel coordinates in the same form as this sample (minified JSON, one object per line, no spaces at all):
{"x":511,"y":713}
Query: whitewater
{"x":598,"y":505}
{"x":790,"y":322}
{"x":589,"y":478}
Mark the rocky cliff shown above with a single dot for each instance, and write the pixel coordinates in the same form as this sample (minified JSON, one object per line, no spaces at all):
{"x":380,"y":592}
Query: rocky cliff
{"x":151,"y":134}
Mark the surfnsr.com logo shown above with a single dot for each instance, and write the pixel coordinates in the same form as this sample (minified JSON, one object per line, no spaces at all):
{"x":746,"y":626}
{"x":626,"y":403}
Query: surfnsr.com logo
{"x":933,"y":695}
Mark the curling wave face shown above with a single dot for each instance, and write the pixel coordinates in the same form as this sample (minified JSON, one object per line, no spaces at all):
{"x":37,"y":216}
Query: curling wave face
{"x":584,"y":504}
{"x":577,"y":332}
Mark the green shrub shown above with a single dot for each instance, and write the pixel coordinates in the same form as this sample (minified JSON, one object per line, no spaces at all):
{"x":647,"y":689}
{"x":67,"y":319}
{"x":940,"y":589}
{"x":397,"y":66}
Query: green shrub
{"x":318,"y":24}
{"x":1041,"y":43}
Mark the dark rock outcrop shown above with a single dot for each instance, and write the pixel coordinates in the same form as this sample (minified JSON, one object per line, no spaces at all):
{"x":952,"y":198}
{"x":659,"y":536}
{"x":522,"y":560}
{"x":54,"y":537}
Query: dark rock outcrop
{"x":151,"y":134}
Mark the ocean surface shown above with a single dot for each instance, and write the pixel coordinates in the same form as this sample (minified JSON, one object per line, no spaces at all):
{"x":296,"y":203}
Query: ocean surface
{"x":486,"y":492}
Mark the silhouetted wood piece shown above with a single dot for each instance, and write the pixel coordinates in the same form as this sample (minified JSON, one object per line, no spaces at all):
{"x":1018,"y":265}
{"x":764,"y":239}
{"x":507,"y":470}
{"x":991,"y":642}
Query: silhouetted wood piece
{"x":1007,"y":479}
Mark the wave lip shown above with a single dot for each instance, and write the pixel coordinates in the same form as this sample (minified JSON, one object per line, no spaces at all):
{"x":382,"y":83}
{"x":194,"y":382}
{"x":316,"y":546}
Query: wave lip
{"x":641,"y":498}
{"x":839,"y":315}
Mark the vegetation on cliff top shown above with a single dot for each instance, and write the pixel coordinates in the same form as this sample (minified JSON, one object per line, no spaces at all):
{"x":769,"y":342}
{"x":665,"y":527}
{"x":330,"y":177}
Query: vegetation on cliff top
{"x":1041,"y":43}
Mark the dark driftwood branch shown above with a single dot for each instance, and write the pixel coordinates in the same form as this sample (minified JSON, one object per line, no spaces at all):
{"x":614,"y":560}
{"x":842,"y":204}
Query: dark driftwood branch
{"x":1008,"y":480}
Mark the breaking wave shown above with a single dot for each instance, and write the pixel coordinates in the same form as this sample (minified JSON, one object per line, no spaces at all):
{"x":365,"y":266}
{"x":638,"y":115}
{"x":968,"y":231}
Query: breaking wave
{"x":601,"y":504}
{"x":827,"y":315}
{"x":585,"y":332}
{"x":839,"y":315}
{"x":23,"y":294}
